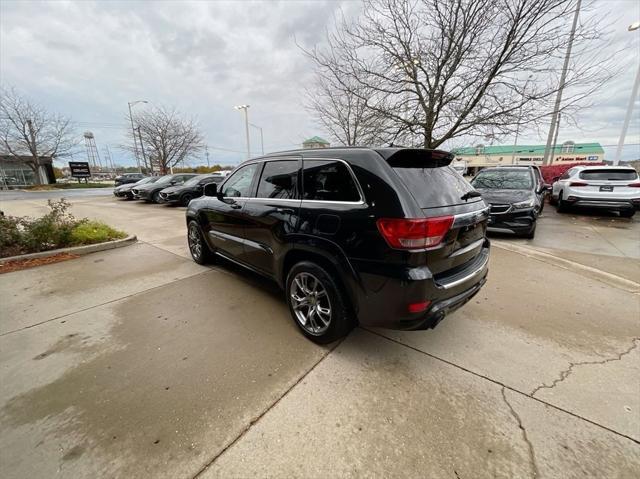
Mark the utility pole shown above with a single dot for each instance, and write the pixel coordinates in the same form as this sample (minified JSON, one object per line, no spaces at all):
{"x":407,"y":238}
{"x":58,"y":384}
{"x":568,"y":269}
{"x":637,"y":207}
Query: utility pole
{"x":206,"y":154}
{"x":133,"y":131}
{"x":634,"y":95}
{"x":563,"y":76}
{"x":144,"y":157}
{"x":34,"y":151}
{"x":246,"y":126}
{"x":261,"y":137}
{"x":135,"y":143}
{"x":555,"y":140}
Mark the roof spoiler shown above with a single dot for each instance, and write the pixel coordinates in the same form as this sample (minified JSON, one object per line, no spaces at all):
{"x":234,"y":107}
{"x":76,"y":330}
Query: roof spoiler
{"x":416,"y":157}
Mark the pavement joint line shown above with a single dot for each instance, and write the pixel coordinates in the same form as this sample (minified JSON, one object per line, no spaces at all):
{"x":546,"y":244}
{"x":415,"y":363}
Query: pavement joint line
{"x":209,"y":270}
{"x":498,"y":383}
{"x":596,"y":231}
{"x":257,"y":418}
{"x":599,"y":275}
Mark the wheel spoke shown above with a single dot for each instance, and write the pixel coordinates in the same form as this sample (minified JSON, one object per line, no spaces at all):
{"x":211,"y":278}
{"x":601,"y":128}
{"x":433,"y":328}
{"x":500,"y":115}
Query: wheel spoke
{"x":310,"y":303}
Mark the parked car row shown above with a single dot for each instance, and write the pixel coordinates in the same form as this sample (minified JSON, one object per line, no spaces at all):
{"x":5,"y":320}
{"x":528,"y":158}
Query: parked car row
{"x":178,"y":189}
{"x":516,"y":194}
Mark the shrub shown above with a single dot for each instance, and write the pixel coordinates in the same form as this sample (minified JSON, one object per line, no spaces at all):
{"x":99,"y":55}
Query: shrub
{"x":89,"y":232}
{"x":56,"y":229}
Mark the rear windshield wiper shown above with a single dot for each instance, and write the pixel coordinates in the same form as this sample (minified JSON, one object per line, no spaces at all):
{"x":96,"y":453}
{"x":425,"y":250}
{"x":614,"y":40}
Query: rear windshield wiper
{"x":470,"y":194}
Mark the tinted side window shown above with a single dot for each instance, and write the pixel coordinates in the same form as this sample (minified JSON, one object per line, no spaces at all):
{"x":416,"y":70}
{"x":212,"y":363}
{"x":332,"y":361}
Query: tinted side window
{"x":239,"y":184}
{"x":279,"y":180}
{"x":328,"y":180}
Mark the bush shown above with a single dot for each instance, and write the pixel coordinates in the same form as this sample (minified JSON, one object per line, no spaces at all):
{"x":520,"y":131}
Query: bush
{"x":90,"y":232}
{"x":56,"y":229}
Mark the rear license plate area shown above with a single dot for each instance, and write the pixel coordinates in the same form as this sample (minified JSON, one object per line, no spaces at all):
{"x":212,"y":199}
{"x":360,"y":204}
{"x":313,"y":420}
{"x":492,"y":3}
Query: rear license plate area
{"x":606,"y":188}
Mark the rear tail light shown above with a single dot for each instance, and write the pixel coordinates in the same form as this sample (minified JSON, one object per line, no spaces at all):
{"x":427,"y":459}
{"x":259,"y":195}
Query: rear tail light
{"x":400,"y":233}
{"x":578,"y":183}
{"x":634,"y":185}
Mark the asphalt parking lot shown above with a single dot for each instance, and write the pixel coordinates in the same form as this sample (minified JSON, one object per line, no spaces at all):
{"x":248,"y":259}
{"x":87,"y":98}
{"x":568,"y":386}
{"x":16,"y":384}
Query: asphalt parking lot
{"x":137,"y":362}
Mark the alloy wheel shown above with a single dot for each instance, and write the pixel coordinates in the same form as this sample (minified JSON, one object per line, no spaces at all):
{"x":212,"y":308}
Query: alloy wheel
{"x":310,"y":303}
{"x":195,"y":241}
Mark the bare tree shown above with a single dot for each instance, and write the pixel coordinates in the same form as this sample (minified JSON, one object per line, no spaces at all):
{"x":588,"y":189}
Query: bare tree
{"x":166,"y":138}
{"x":28,"y":129}
{"x":434,"y":70}
{"x":341,"y":110}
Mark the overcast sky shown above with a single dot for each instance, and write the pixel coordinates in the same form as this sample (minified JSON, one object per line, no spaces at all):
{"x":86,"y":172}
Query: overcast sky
{"x":88,"y":59}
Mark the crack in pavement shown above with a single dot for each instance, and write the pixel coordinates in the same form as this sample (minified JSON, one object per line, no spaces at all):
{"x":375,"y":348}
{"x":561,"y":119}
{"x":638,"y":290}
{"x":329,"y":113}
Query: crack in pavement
{"x":564,"y":374}
{"x":525,"y":437}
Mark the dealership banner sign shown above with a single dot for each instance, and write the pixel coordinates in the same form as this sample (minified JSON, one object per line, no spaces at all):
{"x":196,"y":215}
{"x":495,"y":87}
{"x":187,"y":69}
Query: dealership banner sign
{"x":79,"y":169}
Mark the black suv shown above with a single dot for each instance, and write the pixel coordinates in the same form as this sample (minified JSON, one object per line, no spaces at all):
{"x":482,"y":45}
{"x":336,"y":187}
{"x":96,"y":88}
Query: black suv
{"x":390,"y":237}
{"x":150,"y":192}
{"x":128,"y":178}
{"x":515,"y":195}
{"x":192,"y":188}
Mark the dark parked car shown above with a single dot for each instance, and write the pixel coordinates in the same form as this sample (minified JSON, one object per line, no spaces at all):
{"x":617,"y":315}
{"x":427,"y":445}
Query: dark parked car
{"x":125,"y":191}
{"x":128,"y":178}
{"x":183,"y":194}
{"x":151,"y":192}
{"x":390,"y":237}
{"x":515,"y":196}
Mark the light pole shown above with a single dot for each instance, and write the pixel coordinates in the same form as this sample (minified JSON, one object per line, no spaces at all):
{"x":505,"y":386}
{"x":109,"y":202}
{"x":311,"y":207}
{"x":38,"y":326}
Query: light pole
{"x":133,"y":131}
{"x":515,"y":143}
{"x":261,"y":137}
{"x":634,"y":94}
{"x":563,"y":76}
{"x":246,"y":125}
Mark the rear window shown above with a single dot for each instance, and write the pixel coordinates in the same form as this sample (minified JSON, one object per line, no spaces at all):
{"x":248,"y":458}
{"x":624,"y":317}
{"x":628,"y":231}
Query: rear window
{"x":328,"y":180}
{"x":434,"y":187}
{"x":503,"y":180}
{"x":279,"y":180}
{"x":611,"y":175}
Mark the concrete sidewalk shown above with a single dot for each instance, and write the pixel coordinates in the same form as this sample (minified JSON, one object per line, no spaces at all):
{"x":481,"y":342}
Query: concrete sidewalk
{"x":139,"y":363}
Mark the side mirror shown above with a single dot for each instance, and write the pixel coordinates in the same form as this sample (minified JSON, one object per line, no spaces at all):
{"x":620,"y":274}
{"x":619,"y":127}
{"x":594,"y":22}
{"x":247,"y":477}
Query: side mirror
{"x":172,"y":182}
{"x":211,"y":189}
{"x":554,"y":179}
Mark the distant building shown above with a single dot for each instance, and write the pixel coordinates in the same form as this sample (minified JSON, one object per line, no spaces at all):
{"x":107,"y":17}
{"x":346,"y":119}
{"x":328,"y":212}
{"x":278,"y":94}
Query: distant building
{"x":16,"y":172}
{"x":480,"y":156}
{"x":315,"y":142}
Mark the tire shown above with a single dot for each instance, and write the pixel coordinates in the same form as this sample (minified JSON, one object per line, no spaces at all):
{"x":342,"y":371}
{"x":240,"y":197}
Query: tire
{"x":305,"y":279}
{"x":185,"y":199}
{"x":627,"y":213}
{"x":155,"y":197}
{"x":560,"y":206}
{"x":202,"y":255}
{"x":552,"y":200}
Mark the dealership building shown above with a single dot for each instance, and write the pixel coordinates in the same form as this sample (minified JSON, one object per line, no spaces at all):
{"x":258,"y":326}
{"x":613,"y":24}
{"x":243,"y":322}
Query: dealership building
{"x":16,"y":172}
{"x":480,"y":156}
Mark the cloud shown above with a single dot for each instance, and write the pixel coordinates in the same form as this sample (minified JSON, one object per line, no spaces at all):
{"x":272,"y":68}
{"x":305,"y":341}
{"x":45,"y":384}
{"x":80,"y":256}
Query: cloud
{"x":88,"y":59}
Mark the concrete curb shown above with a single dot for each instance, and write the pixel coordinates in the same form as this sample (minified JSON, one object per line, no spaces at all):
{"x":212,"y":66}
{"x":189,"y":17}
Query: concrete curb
{"x":603,"y":276}
{"x":79,"y":250}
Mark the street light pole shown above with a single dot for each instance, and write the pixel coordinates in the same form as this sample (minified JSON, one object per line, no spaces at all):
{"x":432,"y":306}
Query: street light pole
{"x":261,"y":137}
{"x":634,"y":95}
{"x":563,"y":76}
{"x":246,"y":126}
{"x":133,"y":131}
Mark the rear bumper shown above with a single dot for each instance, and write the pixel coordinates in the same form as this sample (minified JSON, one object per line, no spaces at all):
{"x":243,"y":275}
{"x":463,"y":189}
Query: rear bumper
{"x":384,"y":300}
{"x":603,"y":203}
{"x":518,"y":222}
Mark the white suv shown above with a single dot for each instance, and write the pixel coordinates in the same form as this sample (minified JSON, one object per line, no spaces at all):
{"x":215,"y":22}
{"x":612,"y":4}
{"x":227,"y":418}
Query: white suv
{"x":607,"y":187}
